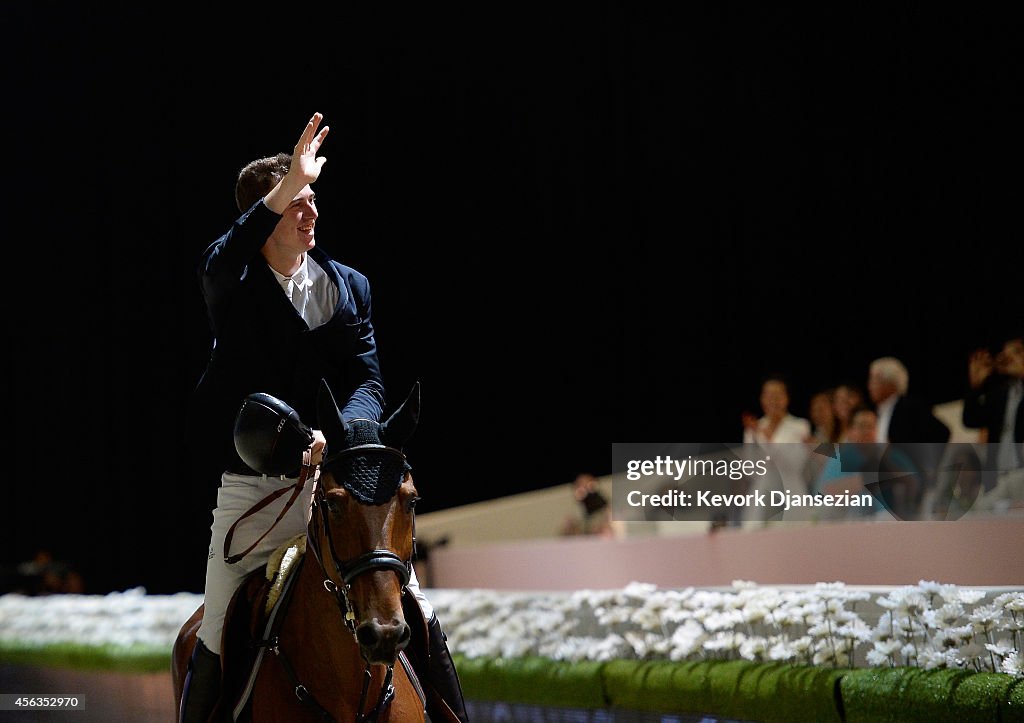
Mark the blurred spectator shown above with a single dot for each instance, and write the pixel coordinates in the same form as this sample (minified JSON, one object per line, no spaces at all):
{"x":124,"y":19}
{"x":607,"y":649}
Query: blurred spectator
{"x":993,"y":401}
{"x":863,"y":465}
{"x":824,"y":424}
{"x":1007,"y":494}
{"x":778,"y":437}
{"x":824,"y":431}
{"x":908,"y":422}
{"x":776,"y":424}
{"x":43,"y":575}
{"x":958,"y":484}
{"x":595,"y":513}
{"x":901,"y":418}
{"x":846,"y":397}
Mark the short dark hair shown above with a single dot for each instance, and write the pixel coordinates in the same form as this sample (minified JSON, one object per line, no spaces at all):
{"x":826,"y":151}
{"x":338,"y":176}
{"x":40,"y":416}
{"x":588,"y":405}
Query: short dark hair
{"x":257,"y":178}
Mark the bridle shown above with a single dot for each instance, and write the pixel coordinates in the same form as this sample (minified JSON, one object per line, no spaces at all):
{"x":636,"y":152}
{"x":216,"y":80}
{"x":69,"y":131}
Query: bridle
{"x":379,"y":559}
{"x":348,"y":570}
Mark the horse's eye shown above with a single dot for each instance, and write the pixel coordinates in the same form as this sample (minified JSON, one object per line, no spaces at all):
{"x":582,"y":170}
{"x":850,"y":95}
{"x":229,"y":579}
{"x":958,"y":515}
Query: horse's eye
{"x":332,"y":506}
{"x":412,"y":503}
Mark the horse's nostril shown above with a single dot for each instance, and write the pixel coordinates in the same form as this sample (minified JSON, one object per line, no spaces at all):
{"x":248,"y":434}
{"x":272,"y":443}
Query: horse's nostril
{"x":372,"y":634}
{"x":368,"y":634}
{"x":405,"y":636}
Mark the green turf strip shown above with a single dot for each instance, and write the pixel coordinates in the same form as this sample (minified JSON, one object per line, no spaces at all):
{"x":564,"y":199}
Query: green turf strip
{"x":769,"y":692}
{"x":134,"y":659}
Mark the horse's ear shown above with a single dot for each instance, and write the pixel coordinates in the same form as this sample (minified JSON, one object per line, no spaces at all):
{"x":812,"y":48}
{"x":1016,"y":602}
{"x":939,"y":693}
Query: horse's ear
{"x":328,"y":415}
{"x":402,"y":423}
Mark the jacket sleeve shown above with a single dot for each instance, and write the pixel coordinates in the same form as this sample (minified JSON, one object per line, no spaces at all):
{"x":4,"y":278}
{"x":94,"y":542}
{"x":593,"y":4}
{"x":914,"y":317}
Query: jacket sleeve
{"x":224,"y":262}
{"x":367,"y":399}
{"x":978,"y":406}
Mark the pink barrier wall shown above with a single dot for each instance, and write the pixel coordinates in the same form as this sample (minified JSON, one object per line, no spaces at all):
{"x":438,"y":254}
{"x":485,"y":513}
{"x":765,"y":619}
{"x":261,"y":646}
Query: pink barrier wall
{"x":965,"y":552}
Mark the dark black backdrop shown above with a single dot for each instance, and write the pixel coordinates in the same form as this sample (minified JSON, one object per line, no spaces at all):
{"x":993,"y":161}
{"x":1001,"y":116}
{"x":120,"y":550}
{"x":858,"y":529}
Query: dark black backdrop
{"x":582,"y":223}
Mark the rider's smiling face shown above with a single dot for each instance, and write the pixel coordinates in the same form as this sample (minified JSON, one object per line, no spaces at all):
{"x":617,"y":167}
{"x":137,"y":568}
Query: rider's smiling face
{"x":294,"y":233}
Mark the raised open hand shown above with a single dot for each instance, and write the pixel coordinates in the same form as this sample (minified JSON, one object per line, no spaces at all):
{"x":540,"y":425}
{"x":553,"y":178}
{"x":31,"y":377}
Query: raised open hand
{"x":979,"y":367}
{"x":304,"y":169}
{"x":305,"y":163}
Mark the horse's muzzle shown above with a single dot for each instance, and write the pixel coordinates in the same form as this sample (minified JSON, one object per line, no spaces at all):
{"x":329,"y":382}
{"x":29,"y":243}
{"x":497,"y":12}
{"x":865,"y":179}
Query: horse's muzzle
{"x":382,"y":642}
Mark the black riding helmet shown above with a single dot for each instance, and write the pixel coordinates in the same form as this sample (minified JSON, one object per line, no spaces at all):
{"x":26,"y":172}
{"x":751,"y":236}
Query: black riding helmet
{"x":269,"y":436}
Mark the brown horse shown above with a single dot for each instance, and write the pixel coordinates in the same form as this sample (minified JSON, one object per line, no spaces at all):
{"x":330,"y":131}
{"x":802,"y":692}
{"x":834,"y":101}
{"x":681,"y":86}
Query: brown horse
{"x":333,"y":650}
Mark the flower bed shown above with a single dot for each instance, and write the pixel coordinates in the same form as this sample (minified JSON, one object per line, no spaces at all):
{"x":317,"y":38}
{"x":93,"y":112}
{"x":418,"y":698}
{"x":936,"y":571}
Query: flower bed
{"x":125,"y":631}
{"x":825,"y":652}
{"x":929,"y":625}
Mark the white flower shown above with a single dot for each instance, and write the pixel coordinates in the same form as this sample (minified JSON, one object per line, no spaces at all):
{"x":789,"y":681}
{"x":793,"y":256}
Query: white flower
{"x":969,"y":597}
{"x":687,"y":639}
{"x":932,"y":659}
{"x":944,"y":616}
{"x":724,"y":641}
{"x":722,"y":621}
{"x":826,"y":654}
{"x":908,"y":627}
{"x":887,"y":602}
{"x":755,"y":613}
{"x":830,"y":589}
{"x":913,"y":603}
{"x":876,"y":657}
{"x":802,"y":645}
{"x":824,"y":629}
{"x":639,"y":590}
{"x":781,"y":651}
{"x":954,"y":637}
{"x":646,"y":618}
{"x":1010,"y":601}
{"x":754,"y":648}
{"x":855,"y":629}
{"x":1013,"y":664}
{"x":1003,"y":648}
{"x":950,"y":593}
{"x":613,"y":615}
{"x":888,"y":648}
{"x":789,"y":616}
{"x":813,"y":609}
{"x":985,"y":618}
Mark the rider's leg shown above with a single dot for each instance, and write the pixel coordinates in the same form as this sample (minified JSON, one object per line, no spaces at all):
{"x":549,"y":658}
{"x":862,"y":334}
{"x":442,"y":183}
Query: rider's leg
{"x":202,"y":686}
{"x":441,"y":673}
{"x":237,"y":495}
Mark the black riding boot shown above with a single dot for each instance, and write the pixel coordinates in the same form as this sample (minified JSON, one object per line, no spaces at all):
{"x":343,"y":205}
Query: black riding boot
{"x":442,"y":674}
{"x":202,"y":685}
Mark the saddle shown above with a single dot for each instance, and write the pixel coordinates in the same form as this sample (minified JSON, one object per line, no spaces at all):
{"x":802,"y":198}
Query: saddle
{"x":255,"y":614}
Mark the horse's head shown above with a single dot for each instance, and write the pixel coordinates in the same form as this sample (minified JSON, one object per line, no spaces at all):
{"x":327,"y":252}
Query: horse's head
{"x":362,"y":523}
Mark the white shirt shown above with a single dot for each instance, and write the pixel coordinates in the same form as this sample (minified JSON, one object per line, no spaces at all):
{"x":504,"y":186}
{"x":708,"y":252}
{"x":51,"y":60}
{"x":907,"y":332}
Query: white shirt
{"x":884,"y":417}
{"x":311,"y":292}
{"x":1007,"y":454}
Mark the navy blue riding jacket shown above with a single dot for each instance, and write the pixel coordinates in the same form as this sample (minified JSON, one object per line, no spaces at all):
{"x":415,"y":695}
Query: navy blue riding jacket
{"x":261,"y":344}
